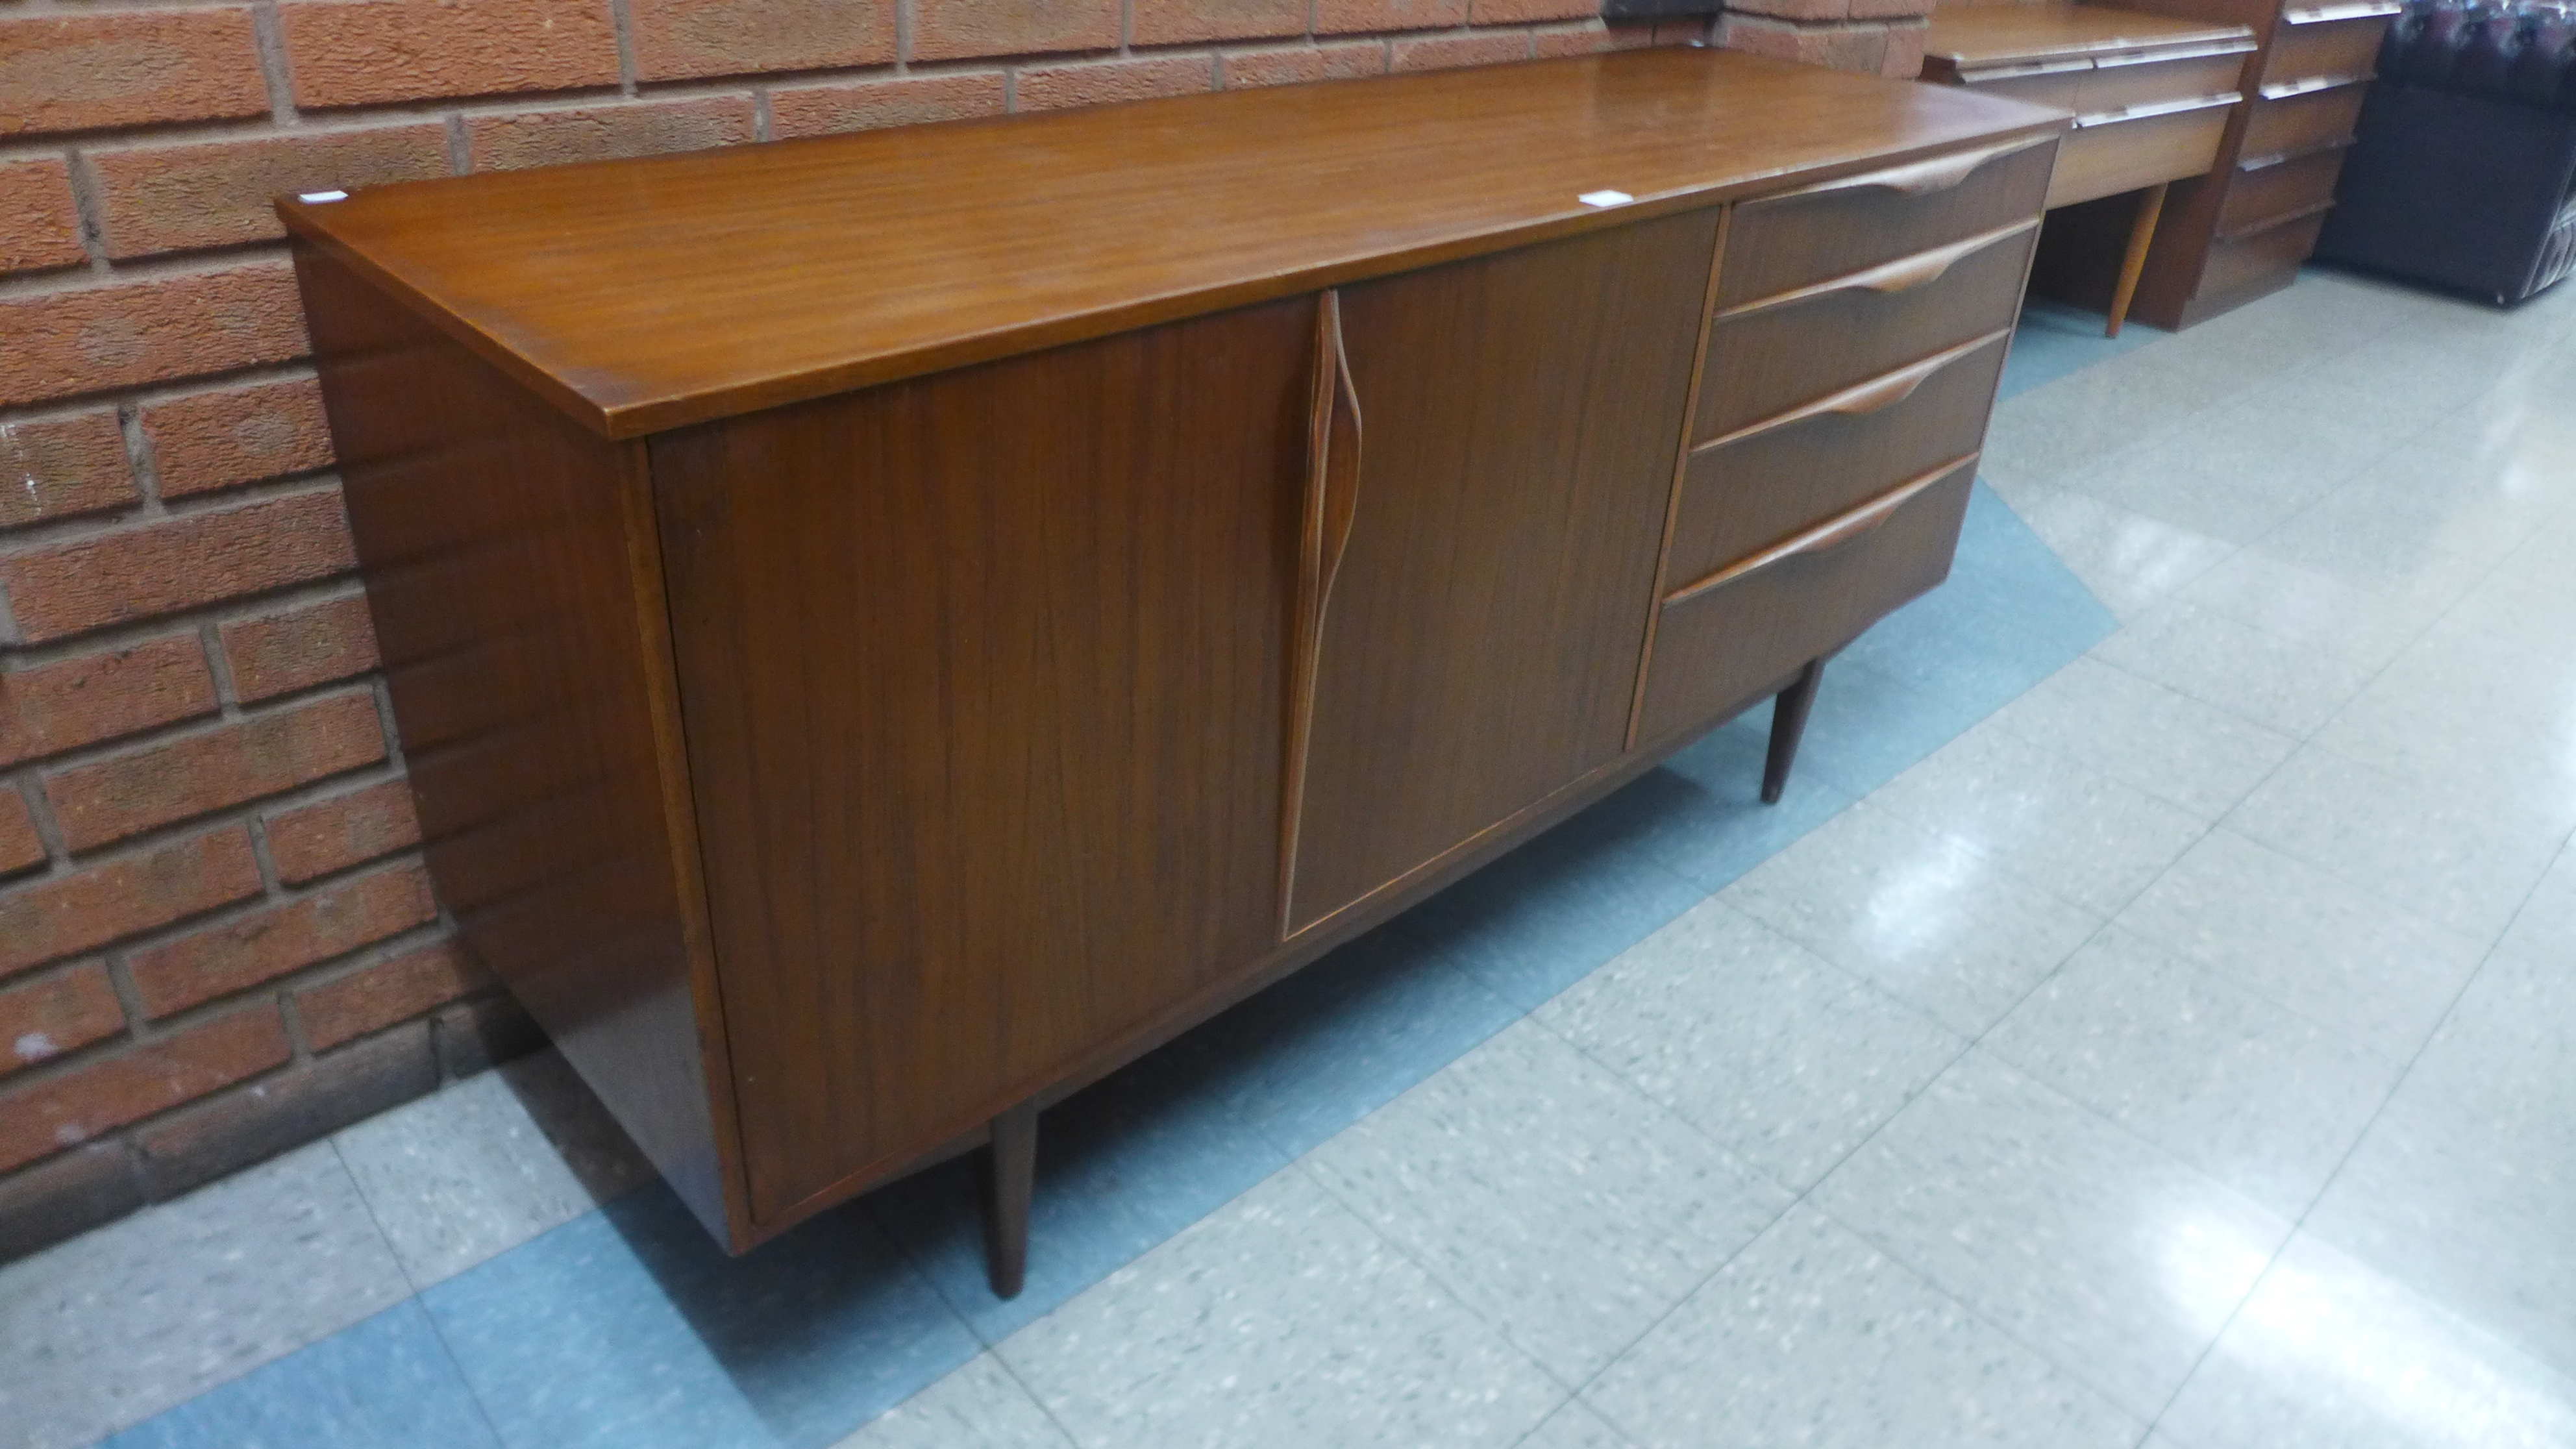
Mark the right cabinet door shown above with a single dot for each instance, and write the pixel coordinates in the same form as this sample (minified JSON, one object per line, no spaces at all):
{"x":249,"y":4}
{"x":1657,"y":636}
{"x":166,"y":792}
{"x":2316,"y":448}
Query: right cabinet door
{"x":1491,"y":501}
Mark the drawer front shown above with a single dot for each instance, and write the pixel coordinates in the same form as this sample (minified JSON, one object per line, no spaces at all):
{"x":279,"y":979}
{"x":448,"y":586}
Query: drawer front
{"x":2063,"y":89}
{"x":2250,"y":262}
{"x":2146,"y":82}
{"x":1721,"y":648}
{"x":2110,"y":157}
{"x":2324,"y":48}
{"x":2302,"y":122}
{"x":1783,"y":243}
{"x":2268,"y":193}
{"x":1746,"y":495}
{"x":1769,"y":358}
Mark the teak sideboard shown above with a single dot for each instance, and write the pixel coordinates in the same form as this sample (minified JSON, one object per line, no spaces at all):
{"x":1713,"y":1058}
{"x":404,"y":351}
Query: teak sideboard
{"x":885,"y":629}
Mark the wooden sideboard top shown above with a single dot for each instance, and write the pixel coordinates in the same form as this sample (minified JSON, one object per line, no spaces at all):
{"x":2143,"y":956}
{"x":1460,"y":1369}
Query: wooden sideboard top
{"x":1998,"y":34}
{"x":650,"y":294}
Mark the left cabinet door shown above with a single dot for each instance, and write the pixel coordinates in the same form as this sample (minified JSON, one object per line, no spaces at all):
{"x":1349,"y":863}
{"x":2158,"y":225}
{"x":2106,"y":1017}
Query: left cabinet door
{"x":982,"y":676}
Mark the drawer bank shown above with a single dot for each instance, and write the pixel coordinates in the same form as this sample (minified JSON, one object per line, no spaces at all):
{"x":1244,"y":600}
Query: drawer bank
{"x":885,"y":629}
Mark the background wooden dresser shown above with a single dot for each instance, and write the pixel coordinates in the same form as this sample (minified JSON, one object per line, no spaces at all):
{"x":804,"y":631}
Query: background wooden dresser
{"x":887,"y":628}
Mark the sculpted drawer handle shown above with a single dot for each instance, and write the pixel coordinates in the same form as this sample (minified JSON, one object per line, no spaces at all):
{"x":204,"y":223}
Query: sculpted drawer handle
{"x":1923,"y":178}
{"x":1868,"y":397}
{"x":1867,"y":519}
{"x":1903,"y":274}
{"x":1331,"y":506}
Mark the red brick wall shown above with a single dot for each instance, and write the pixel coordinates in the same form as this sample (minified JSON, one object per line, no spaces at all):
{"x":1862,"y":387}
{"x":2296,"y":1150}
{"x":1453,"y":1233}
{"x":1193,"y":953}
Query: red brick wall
{"x":216,"y":939}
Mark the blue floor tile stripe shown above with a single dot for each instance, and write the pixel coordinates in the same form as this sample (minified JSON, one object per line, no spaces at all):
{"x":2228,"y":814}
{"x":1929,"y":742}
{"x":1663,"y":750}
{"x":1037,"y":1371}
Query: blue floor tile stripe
{"x":628,"y":1328}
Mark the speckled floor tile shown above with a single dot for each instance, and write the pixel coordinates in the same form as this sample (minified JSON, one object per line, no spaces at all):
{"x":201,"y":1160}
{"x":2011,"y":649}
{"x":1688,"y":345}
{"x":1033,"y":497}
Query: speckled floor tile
{"x":979,"y":1406}
{"x":2130,"y":562}
{"x":2148,"y":736}
{"x":2330,"y":1355}
{"x":2061,"y":826}
{"x":385,"y":1382}
{"x":2289,"y":932}
{"x":630,"y":1329}
{"x":113,"y":1327}
{"x":2259,"y":1098}
{"x":1782,"y":1059}
{"x":2281,"y":685}
{"x":2547,"y":920}
{"x":1575,"y":1427}
{"x":2415,"y":842}
{"x":1548,"y":1195}
{"x":2107,"y":1255}
{"x":1916,"y":913}
{"x":1814,"y":1338}
{"x":2487,"y":718}
{"x":2303,"y":607}
{"x":470,"y":1172}
{"x":1280,"y":1319}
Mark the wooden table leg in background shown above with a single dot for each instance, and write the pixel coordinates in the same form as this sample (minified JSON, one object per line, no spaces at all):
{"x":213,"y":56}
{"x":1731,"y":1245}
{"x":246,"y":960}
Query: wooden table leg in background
{"x":2151,"y":205}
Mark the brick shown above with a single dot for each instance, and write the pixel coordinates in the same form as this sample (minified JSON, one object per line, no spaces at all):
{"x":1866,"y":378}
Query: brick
{"x":278,"y":654}
{"x":476,"y":1036}
{"x":600,"y":133}
{"x":63,"y":1012}
{"x":241,"y":954}
{"x":1443,"y":52}
{"x":1102,"y":82}
{"x":1808,"y":10}
{"x":364,"y":52}
{"x":677,"y":39}
{"x":45,"y":1116}
{"x":1890,"y":9}
{"x":1180,"y":22}
{"x":20,"y":848}
{"x":217,"y":193}
{"x":67,"y":1195}
{"x":1904,"y":60}
{"x":896,"y":101}
{"x":81,"y":701}
{"x":276,"y":1113}
{"x":127,"y":68}
{"x":234,"y":435}
{"x":178,"y":563}
{"x":127,"y":794}
{"x":1591,"y":39}
{"x":1524,"y":12}
{"x":967,"y":29}
{"x":62,"y":467}
{"x":1335,"y":16}
{"x":47,"y":919}
{"x":409,"y":985}
{"x":331,"y":835}
{"x":39,"y":227}
{"x":1295,"y":64}
{"x":1836,"y":47}
{"x":127,"y":332}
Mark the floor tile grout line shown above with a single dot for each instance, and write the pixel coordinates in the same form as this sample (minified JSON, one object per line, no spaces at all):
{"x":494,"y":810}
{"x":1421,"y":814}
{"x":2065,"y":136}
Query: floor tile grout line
{"x":437,"y":1331}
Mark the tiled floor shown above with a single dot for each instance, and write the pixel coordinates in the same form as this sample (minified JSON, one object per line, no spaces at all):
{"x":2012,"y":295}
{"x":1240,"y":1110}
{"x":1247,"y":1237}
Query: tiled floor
{"x":2146,"y":1022}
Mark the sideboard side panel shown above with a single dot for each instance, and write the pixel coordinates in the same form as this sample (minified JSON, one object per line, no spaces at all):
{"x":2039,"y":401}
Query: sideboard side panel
{"x":512,"y":578}
{"x":985,"y":676}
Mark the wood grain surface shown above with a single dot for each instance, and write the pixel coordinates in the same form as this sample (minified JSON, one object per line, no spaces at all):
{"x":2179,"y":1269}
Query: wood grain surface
{"x":646,"y":294}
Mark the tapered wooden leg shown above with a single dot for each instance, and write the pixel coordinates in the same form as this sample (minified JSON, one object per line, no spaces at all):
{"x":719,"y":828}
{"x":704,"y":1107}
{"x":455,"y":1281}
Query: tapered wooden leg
{"x":1788,"y":722}
{"x":2142,"y":233}
{"x":1010,"y":1171}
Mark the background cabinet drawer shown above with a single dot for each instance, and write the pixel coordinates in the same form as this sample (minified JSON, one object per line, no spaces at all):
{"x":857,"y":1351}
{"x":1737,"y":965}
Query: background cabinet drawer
{"x":2110,"y":87}
{"x":2260,"y":258}
{"x":1770,"y":358}
{"x":2266,"y":193}
{"x":2302,"y":122}
{"x":1788,"y":242}
{"x":2324,"y":48}
{"x":1741,"y":497}
{"x":1720,"y":648}
{"x":2109,"y":157}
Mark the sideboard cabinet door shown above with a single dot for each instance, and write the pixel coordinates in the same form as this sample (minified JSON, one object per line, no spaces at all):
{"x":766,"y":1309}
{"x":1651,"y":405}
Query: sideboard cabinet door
{"x":1517,"y":420}
{"x":983,"y":678}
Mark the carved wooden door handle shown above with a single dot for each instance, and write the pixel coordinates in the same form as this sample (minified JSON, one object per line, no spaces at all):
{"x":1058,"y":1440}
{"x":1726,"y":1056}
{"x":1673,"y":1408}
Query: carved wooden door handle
{"x":1833,"y":533}
{"x":1331,"y":507}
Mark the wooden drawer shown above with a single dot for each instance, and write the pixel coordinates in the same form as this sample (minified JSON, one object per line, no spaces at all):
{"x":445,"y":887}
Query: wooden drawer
{"x":2256,"y":261}
{"x":2117,"y":83}
{"x":1784,"y":243}
{"x":2109,"y":156}
{"x":2058,"y":83}
{"x":2324,"y":48}
{"x":2278,"y":189}
{"x":1723,"y":644}
{"x":2289,"y":120}
{"x":1746,"y":494}
{"x":1771,"y":356}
